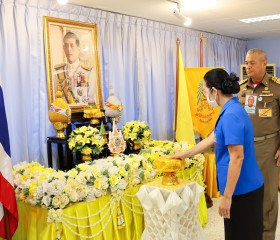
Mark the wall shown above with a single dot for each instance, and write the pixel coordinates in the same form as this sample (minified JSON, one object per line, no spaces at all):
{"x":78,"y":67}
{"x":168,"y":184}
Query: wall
{"x":271,"y":47}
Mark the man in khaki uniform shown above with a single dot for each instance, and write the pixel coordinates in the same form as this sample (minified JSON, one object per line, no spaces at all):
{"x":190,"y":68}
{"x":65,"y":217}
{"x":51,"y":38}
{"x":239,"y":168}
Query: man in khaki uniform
{"x":76,"y":80}
{"x":266,"y":121}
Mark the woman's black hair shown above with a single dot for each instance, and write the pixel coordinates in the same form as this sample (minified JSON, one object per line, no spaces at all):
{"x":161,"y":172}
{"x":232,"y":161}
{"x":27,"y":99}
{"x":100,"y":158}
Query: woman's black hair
{"x":220,"y":79}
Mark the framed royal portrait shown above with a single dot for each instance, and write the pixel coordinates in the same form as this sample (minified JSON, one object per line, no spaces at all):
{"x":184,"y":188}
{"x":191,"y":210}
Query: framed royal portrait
{"x":72,"y":62}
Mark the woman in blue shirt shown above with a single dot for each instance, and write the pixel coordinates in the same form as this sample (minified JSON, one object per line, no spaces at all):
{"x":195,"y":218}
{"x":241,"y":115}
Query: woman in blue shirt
{"x":239,"y":178}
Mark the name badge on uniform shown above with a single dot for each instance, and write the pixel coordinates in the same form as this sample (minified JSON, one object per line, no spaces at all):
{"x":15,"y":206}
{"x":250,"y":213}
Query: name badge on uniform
{"x":250,"y":103}
{"x":265,"y":112}
{"x":266,"y":93}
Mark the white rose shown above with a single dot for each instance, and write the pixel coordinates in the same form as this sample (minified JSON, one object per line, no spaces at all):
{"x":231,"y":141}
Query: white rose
{"x":46,"y":200}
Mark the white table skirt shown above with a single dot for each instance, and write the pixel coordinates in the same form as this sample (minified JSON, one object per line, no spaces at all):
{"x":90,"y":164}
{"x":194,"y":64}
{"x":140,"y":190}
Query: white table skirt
{"x":171,"y":213}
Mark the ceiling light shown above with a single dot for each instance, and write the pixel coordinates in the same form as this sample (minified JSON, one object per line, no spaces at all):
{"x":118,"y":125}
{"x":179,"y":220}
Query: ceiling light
{"x":186,"y":20}
{"x":62,"y":2}
{"x":261,"y":19}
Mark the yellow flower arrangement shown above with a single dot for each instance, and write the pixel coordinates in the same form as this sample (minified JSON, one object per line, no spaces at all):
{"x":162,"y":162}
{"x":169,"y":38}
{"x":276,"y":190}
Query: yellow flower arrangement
{"x":157,"y":148}
{"x":87,"y":140}
{"x":136,"y":131}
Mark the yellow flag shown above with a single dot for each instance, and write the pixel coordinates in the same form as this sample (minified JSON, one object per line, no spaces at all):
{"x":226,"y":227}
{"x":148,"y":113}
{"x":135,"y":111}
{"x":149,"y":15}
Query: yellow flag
{"x":204,"y":116}
{"x":183,"y":119}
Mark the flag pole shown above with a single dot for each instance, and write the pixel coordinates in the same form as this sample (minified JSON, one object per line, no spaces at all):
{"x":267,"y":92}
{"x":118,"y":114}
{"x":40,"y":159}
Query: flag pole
{"x":201,"y":50}
{"x":7,"y":226}
{"x":177,"y":85}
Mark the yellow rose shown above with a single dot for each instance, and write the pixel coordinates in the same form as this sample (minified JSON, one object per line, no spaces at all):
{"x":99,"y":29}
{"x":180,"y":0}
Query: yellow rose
{"x":82,"y":166}
{"x":71,"y":144}
{"x":23,"y":178}
{"x":146,"y":134}
{"x":87,"y":150}
{"x":113,"y":180}
{"x":97,"y":183}
{"x":32,"y":188}
{"x":72,"y":173}
{"x":78,"y":138}
{"x":83,"y":129}
{"x":122,"y":171}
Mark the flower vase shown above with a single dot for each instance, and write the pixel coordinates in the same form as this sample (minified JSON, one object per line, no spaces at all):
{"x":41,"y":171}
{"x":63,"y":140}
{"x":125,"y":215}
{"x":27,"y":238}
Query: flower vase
{"x":86,"y":157}
{"x":136,"y":146}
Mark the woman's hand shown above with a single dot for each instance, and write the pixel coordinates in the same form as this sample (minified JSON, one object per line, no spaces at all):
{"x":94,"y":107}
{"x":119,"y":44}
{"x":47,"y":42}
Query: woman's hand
{"x":224,"y":207}
{"x":179,"y":155}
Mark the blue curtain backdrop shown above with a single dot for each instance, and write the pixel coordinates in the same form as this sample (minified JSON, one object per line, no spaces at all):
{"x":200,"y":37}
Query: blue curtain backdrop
{"x":137,"y":57}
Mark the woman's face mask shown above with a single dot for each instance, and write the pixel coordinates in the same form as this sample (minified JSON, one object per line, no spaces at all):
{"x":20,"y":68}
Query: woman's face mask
{"x":213,"y":102}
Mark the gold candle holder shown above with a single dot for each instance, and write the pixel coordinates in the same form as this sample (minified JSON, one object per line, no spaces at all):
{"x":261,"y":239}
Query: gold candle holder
{"x":169,"y":167}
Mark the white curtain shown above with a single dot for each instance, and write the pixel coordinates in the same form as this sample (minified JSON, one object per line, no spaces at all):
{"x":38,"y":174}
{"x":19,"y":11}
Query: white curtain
{"x":137,"y":58}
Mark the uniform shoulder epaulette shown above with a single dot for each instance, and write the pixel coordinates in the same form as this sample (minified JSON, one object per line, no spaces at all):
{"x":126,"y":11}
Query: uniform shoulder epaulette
{"x":86,"y":67}
{"x":244,"y":81}
{"x":276,"y":80}
{"x":59,"y":65}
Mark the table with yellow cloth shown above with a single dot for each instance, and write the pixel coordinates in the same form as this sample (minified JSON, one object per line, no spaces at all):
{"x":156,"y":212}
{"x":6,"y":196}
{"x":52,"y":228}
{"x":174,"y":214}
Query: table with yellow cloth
{"x":210,"y":175}
{"x":33,"y":220}
{"x":99,"y":219}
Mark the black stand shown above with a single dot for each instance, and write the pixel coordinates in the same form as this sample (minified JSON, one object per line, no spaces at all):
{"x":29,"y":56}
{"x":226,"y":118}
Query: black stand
{"x":65,"y":157}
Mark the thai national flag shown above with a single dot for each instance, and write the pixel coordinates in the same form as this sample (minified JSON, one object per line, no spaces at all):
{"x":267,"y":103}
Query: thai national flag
{"x":7,"y":193}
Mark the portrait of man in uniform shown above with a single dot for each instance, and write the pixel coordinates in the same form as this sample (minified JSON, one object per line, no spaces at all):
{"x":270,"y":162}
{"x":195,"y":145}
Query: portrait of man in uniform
{"x":75,"y":79}
{"x":72,"y":63}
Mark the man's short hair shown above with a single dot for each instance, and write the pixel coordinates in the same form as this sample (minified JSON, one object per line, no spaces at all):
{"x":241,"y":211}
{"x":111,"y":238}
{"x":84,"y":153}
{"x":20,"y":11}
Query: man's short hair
{"x":258,"y":51}
{"x":72,"y":35}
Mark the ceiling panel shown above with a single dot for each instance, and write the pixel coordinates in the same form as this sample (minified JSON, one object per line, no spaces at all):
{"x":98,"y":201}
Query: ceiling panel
{"x":222,"y":17}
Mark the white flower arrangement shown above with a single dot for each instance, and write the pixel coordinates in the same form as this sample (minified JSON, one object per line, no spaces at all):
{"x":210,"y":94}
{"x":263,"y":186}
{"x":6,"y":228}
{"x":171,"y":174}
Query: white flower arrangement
{"x":51,"y":189}
{"x":45,"y":187}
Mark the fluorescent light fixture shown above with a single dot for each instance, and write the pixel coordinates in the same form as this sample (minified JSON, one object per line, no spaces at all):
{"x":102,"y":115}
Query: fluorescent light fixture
{"x":186,"y":20}
{"x":261,"y":19}
{"x":62,"y":2}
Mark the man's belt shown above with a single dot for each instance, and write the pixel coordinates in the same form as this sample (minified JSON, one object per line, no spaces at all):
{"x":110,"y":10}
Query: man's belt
{"x":257,"y":139}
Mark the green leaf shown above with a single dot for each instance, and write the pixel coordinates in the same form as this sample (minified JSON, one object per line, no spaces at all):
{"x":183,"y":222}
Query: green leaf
{"x":141,"y":175}
{"x":127,"y":167}
{"x":106,"y":173}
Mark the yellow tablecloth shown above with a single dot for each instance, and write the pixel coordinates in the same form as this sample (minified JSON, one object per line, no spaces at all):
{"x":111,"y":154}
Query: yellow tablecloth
{"x":209,"y":175}
{"x":33,"y":220}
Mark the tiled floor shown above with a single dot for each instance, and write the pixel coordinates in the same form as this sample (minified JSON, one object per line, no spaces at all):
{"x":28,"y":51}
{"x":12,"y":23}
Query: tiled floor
{"x":215,"y":227}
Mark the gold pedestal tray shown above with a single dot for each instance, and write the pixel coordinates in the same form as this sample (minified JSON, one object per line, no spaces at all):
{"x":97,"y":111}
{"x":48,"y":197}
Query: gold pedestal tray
{"x":169,"y":167}
{"x":86,"y":157}
{"x":158,"y":183}
{"x":93,"y":113}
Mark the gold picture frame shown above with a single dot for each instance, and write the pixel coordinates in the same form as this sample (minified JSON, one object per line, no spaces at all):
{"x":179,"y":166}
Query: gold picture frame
{"x":72,"y":62}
